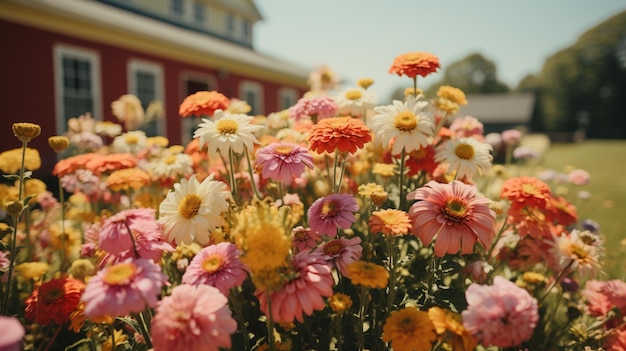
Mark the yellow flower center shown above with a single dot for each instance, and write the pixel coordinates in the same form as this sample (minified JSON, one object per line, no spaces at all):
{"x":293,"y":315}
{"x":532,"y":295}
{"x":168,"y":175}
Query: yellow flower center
{"x":529,"y":189}
{"x":227,"y":126}
{"x":353,"y":94}
{"x":578,"y":251}
{"x":326,"y":77}
{"x":131,"y":139}
{"x":190,"y":206}
{"x":455,"y":210}
{"x":464,"y":151}
{"x":52,"y":295}
{"x":329,"y":209}
{"x":390,"y":218}
{"x":333,"y":248}
{"x":120,"y":274}
{"x":169,"y":160}
{"x":405,"y":121}
{"x":213,"y":263}
{"x":283,"y":150}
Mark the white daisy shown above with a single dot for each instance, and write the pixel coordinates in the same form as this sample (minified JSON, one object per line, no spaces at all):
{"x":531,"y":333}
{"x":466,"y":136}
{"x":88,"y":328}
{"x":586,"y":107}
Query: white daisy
{"x":193,"y":210}
{"x":405,"y":123}
{"x":579,"y":251}
{"x":355,"y":102}
{"x":229,"y":131}
{"x":131,"y":142}
{"x":466,"y":156}
{"x":170,"y":166}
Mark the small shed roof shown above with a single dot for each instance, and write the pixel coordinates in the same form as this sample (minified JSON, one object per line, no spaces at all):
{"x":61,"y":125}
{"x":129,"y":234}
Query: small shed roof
{"x":500,"y":108}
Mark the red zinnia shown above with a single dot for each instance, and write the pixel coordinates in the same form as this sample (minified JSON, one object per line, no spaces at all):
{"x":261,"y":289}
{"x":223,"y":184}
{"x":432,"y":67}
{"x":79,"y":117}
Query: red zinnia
{"x":54,"y":301}
{"x":415,"y":64}
{"x":345,"y":134}
{"x":203,"y":104}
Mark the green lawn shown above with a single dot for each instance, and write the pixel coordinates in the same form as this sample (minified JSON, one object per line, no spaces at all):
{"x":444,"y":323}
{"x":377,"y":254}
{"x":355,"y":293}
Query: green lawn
{"x":606,"y":162}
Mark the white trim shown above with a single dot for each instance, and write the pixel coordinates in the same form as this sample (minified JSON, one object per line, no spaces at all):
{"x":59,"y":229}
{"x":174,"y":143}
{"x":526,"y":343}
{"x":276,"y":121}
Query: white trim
{"x":135,"y":65}
{"x":257,"y":89}
{"x":59,"y":52}
{"x":289,"y":93}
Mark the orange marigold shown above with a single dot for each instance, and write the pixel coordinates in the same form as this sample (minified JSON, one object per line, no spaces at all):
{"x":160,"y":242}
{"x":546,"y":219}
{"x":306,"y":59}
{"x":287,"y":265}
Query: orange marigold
{"x":390,"y":222}
{"x":203,"y":104}
{"x":409,"y":329}
{"x":451,"y":329}
{"x":54,"y":301}
{"x":526,"y":191}
{"x":129,"y":178}
{"x":415,"y":64}
{"x":367,"y":274}
{"x":345,"y":134}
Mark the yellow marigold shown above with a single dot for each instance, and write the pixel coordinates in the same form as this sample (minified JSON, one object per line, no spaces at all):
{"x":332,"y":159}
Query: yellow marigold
{"x":367,"y":274}
{"x":412,"y":91}
{"x":157,"y":141}
{"x":365,"y":82}
{"x":339,"y":302}
{"x":379,"y":198}
{"x":8,"y":193}
{"x":32,"y":270}
{"x":186,"y":251}
{"x":384,"y":169}
{"x":11,"y":160}
{"x":450,"y":327}
{"x":82,"y":268}
{"x":26,"y":132}
{"x":447,"y":106}
{"x":32,"y":187}
{"x":452,"y":94}
{"x":409,"y":329}
{"x":390,"y":222}
{"x":533,"y":278}
{"x":267,"y":279}
{"x":366,"y":190}
{"x":73,"y":238}
{"x":128,"y":178}
{"x":58,"y":143}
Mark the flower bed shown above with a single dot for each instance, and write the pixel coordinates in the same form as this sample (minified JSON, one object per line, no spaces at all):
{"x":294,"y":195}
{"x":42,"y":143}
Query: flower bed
{"x":333,"y":225}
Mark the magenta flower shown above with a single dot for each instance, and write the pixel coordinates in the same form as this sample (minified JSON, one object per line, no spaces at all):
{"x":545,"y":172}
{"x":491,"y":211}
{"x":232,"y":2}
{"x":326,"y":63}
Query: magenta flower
{"x":283,"y":161}
{"x":329,"y":213}
{"x":455,"y":214}
{"x":192,"y":318}
{"x":218,"y":266}
{"x":304,"y":239}
{"x":502,"y":315}
{"x":341,"y":252}
{"x":317,"y":108}
{"x":125,"y":287}
{"x":304,"y":292}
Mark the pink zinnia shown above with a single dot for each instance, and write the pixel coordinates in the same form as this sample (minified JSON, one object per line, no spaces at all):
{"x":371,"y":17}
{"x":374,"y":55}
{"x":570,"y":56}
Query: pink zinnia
{"x":11,"y":334}
{"x":218,"y":266}
{"x":329,"y":213}
{"x":126,"y":287}
{"x":283,"y":161}
{"x":502,"y":315}
{"x":304,"y":239}
{"x":192,"y":318}
{"x":455,"y":213}
{"x":311,"y":282}
{"x":316,"y":108}
{"x":341,"y":252}
{"x":466,"y":127}
{"x":603,"y":296}
{"x":578,"y":177}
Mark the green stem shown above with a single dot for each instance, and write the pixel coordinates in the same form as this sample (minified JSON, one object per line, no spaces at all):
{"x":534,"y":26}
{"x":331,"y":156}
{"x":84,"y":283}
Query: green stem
{"x":401,"y":180}
{"x":256,"y":191}
{"x":63,"y":252}
{"x":392,"y":273}
{"x":270,"y":323}
{"x":235,"y":302}
{"x":281,"y":193}
{"x":233,"y":180}
{"x":141,"y":322}
{"x":335,"y":166}
{"x":343,"y":171}
{"x":339,"y":335}
{"x":556,"y":281}
{"x":360,"y":337}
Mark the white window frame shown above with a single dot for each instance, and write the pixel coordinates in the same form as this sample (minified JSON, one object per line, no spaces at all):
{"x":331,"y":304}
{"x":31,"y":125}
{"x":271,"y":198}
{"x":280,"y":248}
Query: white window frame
{"x":192,"y":122}
{"x":289,"y":93}
{"x":59,"y":52}
{"x":136,"y":65}
{"x":257,"y":89}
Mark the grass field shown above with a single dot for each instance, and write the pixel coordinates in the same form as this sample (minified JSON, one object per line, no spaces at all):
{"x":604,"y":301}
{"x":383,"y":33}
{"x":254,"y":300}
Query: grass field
{"x":606,"y":162}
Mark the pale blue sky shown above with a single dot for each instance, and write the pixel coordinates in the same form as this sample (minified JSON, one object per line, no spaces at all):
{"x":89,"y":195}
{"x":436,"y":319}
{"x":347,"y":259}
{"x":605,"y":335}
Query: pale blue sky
{"x":361,"y":38}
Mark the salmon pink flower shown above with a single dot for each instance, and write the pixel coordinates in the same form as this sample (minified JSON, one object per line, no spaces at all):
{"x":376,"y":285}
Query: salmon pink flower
{"x":341,"y":252}
{"x":316,"y":108}
{"x":345,"y":134}
{"x":203,"y":104}
{"x":283,"y":161}
{"x":329,"y":213}
{"x":218,"y":266}
{"x":453,"y":213}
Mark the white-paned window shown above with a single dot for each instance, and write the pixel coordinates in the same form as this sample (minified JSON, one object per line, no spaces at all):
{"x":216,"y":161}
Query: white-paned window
{"x":77,"y":84}
{"x":192,"y":83}
{"x":252,"y":93}
{"x":287,"y":97}
{"x":145,"y":80}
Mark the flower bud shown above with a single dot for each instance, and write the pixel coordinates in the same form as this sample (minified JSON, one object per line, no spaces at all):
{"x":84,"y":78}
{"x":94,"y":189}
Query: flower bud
{"x":365,"y":82}
{"x":14,"y":208}
{"x":58,"y":143}
{"x":25,"y":132}
{"x":379,"y":198}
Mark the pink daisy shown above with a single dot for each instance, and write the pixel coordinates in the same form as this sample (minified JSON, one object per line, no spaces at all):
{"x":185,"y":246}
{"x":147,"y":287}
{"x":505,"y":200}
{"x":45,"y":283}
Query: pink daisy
{"x":125,"y":287}
{"x":192,"y":318}
{"x":454,"y":213}
{"x":341,"y":252}
{"x":329,"y":213}
{"x":316,"y":108}
{"x":304,"y":239}
{"x":502,"y":315}
{"x":311,"y":281}
{"x":283,"y":161}
{"x":218,"y":266}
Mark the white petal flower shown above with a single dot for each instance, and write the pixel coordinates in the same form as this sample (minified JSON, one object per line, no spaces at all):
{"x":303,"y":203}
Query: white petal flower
{"x":355,"y":102}
{"x":132,"y":142}
{"x":193,"y":210}
{"x":404,"y":123}
{"x":466,"y":156}
{"x":228,"y":132}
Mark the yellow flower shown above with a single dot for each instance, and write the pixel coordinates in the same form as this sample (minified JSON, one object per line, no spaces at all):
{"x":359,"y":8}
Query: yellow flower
{"x":366,"y":190}
{"x":339,"y":302}
{"x":409,"y":329}
{"x":77,"y":318}
{"x":267,"y":279}
{"x":8,"y":193}
{"x":367,"y":274}
{"x":11,"y":160}
{"x":533,"y":278}
{"x":411,"y":91}
{"x":450,"y":327}
{"x":157,"y":141}
{"x":32,"y":270}
{"x":128,"y":178}
{"x":26,"y":132}
{"x":72,"y":238}
{"x":186,"y":251}
{"x":452,"y":94}
{"x":58,"y":143}
{"x":384,"y":169}
{"x":82,"y":268}
{"x":32,"y":187}
{"x":365,"y":82}
{"x":118,"y":336}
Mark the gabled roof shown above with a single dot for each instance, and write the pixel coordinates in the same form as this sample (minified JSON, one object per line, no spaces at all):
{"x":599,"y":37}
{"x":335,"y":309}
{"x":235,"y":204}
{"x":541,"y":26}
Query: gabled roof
{"x":500,"y":108}
{"x":118,"y":27}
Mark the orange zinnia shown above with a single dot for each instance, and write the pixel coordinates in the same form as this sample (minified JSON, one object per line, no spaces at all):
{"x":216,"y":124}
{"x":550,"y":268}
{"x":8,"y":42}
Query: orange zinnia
{"x":450,"y":327}
{"x":345,"y":134}
{"x":415,"y":64}
{"x":526,"y":191}
{"x":99,"y":164}
{"x":129,"y":178}
{"x":71,"y":164}
{"x":390,"y":222}
{"x":203,"y":104}
{"x":54,"y":301}
{"x":367,"y":274}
